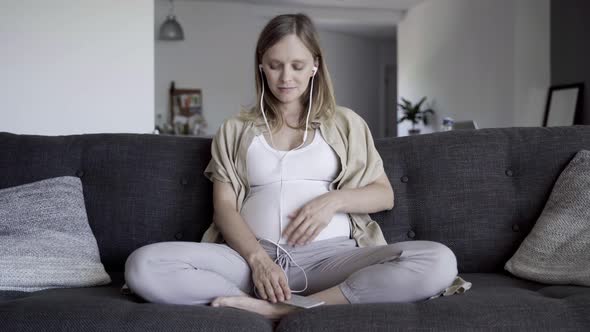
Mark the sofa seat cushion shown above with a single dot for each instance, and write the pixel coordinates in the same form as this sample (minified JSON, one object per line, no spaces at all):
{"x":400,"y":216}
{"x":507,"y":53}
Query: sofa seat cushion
{"x":496,"y":300}
{"x":104,"y":308}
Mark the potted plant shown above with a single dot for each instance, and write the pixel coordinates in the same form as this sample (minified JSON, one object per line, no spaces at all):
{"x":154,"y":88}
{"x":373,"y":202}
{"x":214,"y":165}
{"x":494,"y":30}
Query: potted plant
{"x":414,"y":114}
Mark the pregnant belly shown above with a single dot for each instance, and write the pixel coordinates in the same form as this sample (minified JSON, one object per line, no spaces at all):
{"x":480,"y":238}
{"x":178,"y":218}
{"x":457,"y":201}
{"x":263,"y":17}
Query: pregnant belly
{"x":267,"y":207}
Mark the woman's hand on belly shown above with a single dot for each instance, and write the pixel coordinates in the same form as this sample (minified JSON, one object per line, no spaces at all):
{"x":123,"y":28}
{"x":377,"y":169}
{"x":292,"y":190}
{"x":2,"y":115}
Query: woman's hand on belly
{"x":309,"y":220}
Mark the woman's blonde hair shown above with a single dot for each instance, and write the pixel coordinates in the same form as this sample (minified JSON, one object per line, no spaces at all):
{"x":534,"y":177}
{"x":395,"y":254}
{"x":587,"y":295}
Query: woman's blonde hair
{"x":323,"y":101}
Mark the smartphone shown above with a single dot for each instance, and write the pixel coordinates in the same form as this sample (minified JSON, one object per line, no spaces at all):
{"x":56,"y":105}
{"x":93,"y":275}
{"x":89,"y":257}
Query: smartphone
{"x":303,"y":302}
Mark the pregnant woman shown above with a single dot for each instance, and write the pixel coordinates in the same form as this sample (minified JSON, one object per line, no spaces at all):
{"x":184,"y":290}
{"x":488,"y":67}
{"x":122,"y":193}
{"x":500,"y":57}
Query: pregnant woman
{"x":294,"y":180}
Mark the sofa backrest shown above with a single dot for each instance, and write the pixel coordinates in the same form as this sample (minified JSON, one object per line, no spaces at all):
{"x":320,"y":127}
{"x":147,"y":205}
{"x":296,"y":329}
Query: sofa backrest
{"x":477,"y":191}
{"x":138,"y":188}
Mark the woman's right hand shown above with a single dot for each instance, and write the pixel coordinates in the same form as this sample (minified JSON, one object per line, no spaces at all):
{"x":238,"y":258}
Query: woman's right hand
{"x":270,"y":280}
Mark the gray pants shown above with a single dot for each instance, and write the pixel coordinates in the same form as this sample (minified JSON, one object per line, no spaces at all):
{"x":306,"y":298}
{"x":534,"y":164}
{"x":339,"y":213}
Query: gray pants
{"x":197,"y":273}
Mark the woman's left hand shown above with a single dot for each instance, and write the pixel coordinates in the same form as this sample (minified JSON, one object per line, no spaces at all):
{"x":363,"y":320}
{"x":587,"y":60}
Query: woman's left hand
{"x":309,"y":220}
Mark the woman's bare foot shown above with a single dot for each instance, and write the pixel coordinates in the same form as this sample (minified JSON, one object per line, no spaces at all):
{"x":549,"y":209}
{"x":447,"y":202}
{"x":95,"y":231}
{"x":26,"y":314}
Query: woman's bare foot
{"x":267,"y":309}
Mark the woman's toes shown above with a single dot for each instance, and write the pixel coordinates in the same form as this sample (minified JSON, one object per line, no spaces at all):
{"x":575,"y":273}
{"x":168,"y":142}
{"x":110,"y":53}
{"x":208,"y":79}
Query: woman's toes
{"x":217,"y":302}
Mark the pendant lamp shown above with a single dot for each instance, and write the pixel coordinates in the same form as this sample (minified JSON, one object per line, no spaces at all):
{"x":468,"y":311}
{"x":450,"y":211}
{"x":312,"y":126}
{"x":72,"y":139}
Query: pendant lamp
{"x":171,"y":29}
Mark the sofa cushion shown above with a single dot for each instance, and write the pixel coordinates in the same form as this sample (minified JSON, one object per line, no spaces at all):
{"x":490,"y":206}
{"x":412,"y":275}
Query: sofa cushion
{"x":497,"y":301}
{"x":103,"y":308}
{"x":557,"y":250}
{"x":45,"y":236}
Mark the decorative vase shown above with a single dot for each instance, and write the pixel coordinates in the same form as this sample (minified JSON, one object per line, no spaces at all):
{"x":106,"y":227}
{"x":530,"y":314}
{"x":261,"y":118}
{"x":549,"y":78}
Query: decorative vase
{"x":414,"y":131}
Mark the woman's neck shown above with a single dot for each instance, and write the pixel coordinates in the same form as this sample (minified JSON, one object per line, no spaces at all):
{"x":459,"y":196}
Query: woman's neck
{"x":291,"y":112}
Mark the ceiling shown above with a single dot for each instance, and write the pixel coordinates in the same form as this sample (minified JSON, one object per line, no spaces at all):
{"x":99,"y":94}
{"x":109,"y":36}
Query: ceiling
{"x":366,"y":18}
{"x":364,"y":4}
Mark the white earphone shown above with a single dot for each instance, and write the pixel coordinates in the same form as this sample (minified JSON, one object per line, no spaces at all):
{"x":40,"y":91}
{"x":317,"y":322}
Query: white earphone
{"x":314,"y":71}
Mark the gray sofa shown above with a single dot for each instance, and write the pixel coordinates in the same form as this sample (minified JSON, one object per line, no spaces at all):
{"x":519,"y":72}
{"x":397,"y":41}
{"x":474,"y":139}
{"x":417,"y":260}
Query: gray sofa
{"x":477,"y":191}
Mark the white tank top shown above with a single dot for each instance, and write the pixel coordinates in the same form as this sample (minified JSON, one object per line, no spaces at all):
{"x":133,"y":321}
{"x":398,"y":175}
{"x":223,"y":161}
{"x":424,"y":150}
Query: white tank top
{"x":305,"y":173}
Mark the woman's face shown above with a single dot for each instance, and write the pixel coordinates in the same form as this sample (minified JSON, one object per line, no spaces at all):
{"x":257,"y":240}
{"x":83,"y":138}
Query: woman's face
{"x":288,"y":66}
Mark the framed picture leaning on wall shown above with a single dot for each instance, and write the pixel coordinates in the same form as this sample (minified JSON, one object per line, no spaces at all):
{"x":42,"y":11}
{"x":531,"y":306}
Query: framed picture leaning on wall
{"x":564,"y":105}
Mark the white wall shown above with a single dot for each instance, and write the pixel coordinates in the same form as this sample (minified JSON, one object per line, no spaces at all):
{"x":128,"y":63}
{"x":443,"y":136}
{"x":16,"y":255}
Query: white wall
{"x":532,"y":61}
{"x":484,"y":60}
{"x":354,"y":66}
{"x":72,"y":67}
{"x":217,"y":56}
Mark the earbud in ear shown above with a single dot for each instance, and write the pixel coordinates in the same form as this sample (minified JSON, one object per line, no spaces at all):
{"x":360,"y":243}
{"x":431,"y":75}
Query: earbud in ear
{"x":315,"y":69}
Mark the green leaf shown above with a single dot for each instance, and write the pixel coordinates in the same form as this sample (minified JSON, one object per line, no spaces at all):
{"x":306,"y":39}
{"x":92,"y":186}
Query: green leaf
{"x":413,"y":112}
{"x":420,"y":102}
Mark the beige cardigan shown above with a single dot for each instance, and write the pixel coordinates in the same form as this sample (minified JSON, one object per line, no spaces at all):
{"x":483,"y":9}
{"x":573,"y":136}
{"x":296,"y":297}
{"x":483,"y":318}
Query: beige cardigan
{"x":346,"y":132}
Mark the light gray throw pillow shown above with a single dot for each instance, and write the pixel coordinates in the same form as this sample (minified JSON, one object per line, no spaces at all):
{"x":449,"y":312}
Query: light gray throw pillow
{"x":45,"y":239}
{"x":557,"y":251}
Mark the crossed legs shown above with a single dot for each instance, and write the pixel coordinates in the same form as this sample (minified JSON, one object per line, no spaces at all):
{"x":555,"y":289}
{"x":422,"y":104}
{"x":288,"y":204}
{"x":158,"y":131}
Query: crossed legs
{"x":202,"y":273}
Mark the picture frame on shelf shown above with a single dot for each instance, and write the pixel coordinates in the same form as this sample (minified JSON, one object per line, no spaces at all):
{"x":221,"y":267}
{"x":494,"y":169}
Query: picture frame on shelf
{"x":186,"y":111}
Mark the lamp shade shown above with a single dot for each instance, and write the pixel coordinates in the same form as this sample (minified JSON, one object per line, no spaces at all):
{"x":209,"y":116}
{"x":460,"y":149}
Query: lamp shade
{"x":171,"y":29}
